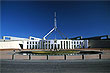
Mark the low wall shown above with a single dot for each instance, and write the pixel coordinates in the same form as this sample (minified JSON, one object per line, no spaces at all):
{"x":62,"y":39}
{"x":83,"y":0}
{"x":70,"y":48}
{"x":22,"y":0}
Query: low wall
{"x":99,"y":43}
{"x":8,"y":55}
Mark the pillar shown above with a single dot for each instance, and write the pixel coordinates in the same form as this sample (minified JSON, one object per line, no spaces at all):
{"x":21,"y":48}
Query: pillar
{"x":99,"y":56}
{"x":82,"y":57}
{"x":13,"y":55}
{"x":29,"y":57}
{"x":65,"y":45}
{"x":64,"y":57}
{"x":62,"y":45}
{"x":47,"y":57}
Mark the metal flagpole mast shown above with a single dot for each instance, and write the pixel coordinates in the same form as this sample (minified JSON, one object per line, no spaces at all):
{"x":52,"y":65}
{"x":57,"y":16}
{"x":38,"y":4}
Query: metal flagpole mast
{"x":55,"y":20}
{"x":55,"y":25}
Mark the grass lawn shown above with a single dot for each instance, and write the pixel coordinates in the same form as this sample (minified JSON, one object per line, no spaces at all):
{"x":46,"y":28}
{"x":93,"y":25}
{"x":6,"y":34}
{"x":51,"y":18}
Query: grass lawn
{"x":56,"y":52}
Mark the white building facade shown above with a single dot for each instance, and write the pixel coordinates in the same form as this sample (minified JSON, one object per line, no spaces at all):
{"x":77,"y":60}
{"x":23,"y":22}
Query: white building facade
{"x":37,"y":43}
{"x":55,"y":44}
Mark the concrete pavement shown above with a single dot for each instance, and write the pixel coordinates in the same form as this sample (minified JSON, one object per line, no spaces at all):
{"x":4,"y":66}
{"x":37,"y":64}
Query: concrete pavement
{"x":55,"y":66}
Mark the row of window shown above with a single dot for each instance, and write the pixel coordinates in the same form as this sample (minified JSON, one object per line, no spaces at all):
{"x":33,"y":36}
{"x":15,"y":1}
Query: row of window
{"x":32,"y":42}
{"x":75,"y":42}
{"x":33,"y":46}
{"x":53,"y":46}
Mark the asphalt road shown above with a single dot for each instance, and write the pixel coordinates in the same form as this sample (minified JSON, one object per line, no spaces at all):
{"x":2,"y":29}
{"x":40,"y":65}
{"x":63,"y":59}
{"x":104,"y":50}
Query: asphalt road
{"x":55,"y":66}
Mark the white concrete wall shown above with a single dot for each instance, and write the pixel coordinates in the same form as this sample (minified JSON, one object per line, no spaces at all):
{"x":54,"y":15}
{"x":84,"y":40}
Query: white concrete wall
{"x":24,"y":44}
{"x":10,"y":45}
{"x":33,"y":44}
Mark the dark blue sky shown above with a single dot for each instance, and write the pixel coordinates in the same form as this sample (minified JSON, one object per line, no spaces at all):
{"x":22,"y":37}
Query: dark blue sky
{"x":36,"y":18}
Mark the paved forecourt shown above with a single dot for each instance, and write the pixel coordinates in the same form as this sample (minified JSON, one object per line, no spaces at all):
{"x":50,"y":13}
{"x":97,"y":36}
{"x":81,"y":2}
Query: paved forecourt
{"x":55,"y":66}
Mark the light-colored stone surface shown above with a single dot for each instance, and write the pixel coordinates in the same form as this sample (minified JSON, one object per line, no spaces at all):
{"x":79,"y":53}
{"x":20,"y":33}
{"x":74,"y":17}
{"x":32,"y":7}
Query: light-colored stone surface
{"x":8,"y":55}
{"x":5,"y":54}
{"x":39,"y":57}
{"x":55,"y":66}
{"x":56,"y":57}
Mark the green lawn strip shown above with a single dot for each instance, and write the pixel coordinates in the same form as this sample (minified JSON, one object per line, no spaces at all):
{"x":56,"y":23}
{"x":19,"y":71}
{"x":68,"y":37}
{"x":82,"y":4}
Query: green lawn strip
{"x":55,"y":52}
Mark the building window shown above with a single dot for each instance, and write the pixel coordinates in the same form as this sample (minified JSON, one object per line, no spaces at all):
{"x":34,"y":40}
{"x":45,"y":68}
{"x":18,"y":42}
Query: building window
{"x":74,"y":42}
{"x":36,"y":42}
{"x":46,"y":46}
{"x":55,"y":46}
{"x":27,"y":46}
{"x":55,"y":41}
{"x":74,"y":46}
{"x":64,"y":44}
{"x":33,"y":42}
{"x":69,"y":44}
{"x":27,"y":42}
{"x":35,"y":46}
{"x":51,"y":46}
{"x":77,"y":42}
{"x":30,"y":42}
{"x":30,"y":46}
{"x":61,"y":44}
{"x":80,"y":42}
{"x":58,"y":46}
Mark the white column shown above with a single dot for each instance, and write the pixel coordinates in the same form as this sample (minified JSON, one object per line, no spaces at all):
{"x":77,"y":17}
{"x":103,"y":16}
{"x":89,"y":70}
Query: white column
{"x":60,"y":45}
{"x":50,"y":46}
{"x":34,"y":46}
{"x":73,"y":44}
{"x":37,"y":45}
{"x":53,"y":45}
{"x":63,"y":44}
{"x":42,"y":44}
{"x":68,"y":45}
{"x":57,"y":46}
